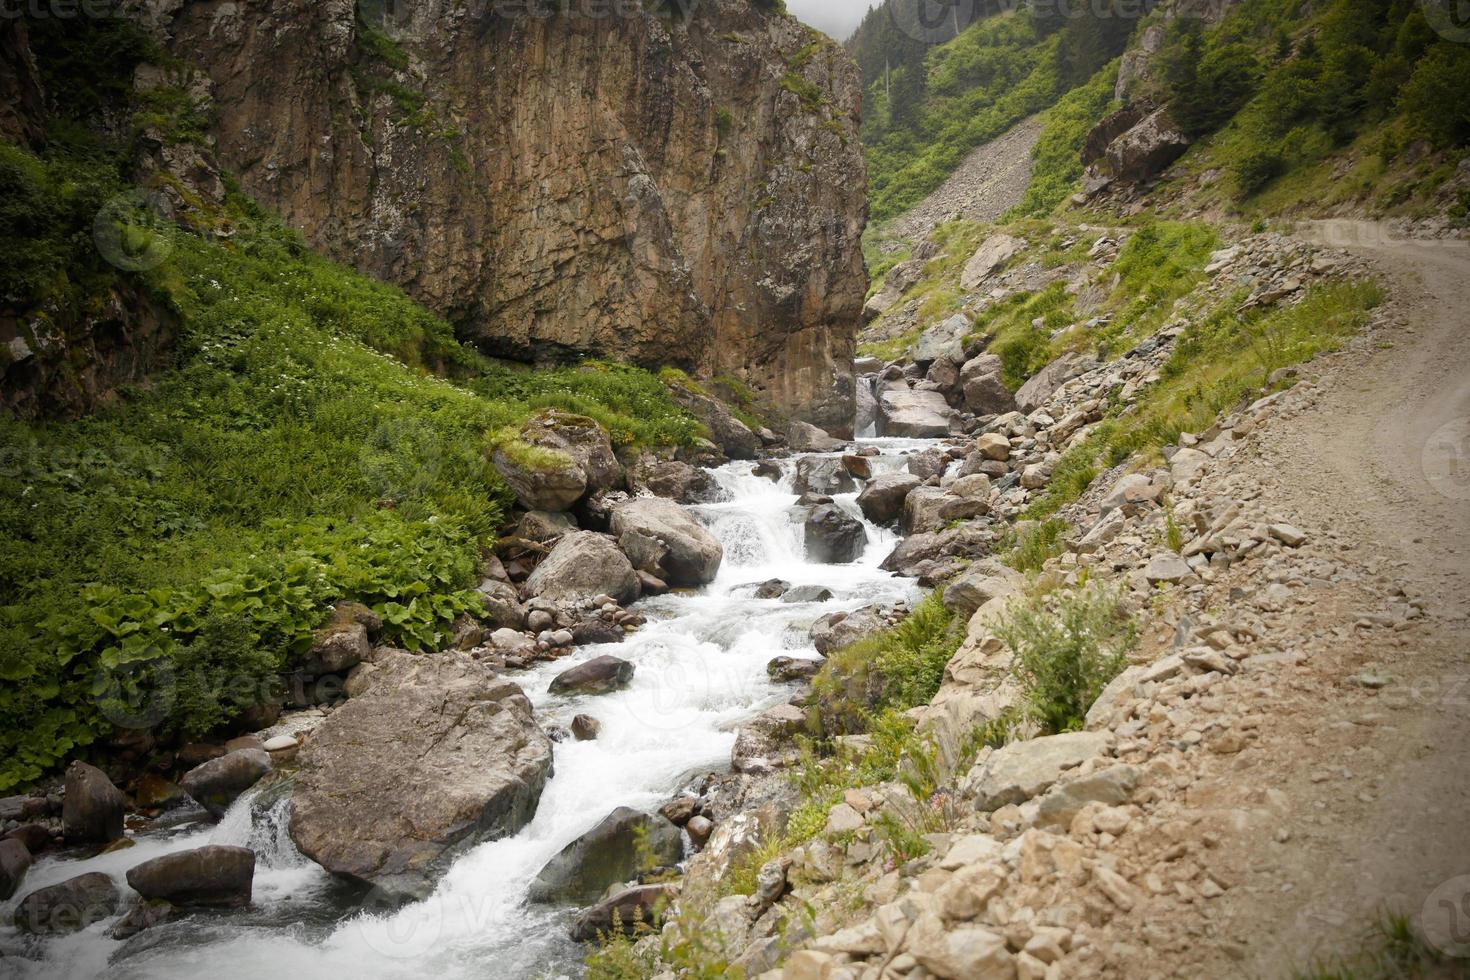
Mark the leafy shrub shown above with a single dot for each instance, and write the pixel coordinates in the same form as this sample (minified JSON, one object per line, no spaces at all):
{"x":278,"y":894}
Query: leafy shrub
{"x":1257,"y":169}
{"x":1066,"y":650}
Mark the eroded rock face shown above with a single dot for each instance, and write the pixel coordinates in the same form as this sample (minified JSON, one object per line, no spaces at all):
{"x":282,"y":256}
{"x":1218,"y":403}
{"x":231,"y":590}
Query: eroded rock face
{"x":437,"y":755}
{"x":636,"y":187}
{"x":693,"y":554}
{"x":582,"y":565}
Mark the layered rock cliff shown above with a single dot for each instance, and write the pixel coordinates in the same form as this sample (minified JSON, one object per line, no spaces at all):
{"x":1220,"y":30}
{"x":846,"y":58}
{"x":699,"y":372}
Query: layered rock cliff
{"x":652,"y":187}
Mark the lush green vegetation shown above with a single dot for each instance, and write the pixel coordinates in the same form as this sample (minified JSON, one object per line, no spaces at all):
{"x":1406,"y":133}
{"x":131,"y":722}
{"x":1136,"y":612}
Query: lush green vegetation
{"x":1057,"y":156}
{"x":983,"y":82}
{"x":1067,"y":648}
{"x":1285,"y":92}
{"x":314,"y":436}
{"x":895,"y":669}
{"x":1221,"y":359}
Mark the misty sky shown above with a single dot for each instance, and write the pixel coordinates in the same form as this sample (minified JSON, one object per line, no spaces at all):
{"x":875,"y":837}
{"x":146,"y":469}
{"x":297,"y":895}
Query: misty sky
{"x":838,"y":18}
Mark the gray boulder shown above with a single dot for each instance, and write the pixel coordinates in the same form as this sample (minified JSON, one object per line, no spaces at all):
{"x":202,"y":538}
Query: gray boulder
{"x":336,"y":648}
{"x":985,"y":393}
{"x":599,"y":675}
{"x":882,"y":499}
{"x":503,"y":608}
{"x":544,"y":525}
{"x":218,"y":783}
{"x":673,"y":479}
{"x":437,"y":755}
{"x":608,"y":854}
{"x":833,"y":536}
{"x":69,"y":906}
{"x":582,"y":565}
{"x":837,"y":630}
{"x":1021,"y":770}
{"x":822,"y":474}
{"x":1147,"y":148}
{"x":542,"y":479}
{"x":913,"y":413}
{"x":215,"y":876}
{"x":1044,"y":383}
{"x":92,"y":809}
{"x":694,"y":554}
{"x":995,"y":252}
{"x":805,"y":437}
{"x":733,"y":436}
{"x":928,"y":509}
{"x":943,"y":339}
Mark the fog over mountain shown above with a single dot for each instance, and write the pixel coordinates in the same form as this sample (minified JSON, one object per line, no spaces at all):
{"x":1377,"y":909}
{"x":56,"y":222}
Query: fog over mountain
{"x":837,"y":18}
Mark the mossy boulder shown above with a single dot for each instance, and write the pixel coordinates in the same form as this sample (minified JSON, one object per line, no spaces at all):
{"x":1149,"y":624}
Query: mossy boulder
{"x":624,"y":844}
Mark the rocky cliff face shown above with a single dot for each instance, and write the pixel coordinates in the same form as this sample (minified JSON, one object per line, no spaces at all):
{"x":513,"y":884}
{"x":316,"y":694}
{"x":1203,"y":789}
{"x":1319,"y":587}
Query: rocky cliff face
{"x":649,"y":187}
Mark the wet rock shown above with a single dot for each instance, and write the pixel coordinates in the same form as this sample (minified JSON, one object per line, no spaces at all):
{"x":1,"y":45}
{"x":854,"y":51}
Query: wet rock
{"x":599,"y":675}
{"x":627,"y":911}
{"x":217,"y":783}
{"x":694,"y":554}
{"x":594,"y":631}
{"x":786,"y":669}
{"x":437,"y":755}
{"x":582,"y":565}
{"x":807,"y":593}
{"x":585,"y":728}
{"x":837,"y":630}
{"x":69,"y":906}
{"x":822,"y":475}
{"x":678,"y":810}
{"x":882,"y":499}
{"x":612,"y":852}
{"x":699,"y":827}
{"x":15,"y":861}
{"x":858,"y":467}
{"x":144,"y":915}
{"x":833,"y":536}
{"x":674,"y":480}
{"x":772,"y":589}
{"x":92,"y":808}
{"x":215,"y":876}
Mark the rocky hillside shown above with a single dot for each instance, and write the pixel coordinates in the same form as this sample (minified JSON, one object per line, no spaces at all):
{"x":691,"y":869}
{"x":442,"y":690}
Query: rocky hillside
{"x":650,"y":188}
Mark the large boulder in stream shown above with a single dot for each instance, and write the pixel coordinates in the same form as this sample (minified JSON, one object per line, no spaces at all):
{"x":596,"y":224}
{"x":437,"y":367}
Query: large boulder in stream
{"x":92,"y":809}
{"x":600,"y":675}
{"x":214,"y":876}
{"x":692,"y":556}
{"x":833,"y":536}
{"x":218,"y":783}
{"x":914,"y":413}
{"x":882,"y":499}
{"x":68,"y":906}
{"x":825,"y":475}
{"x":606,"y":855}
{"x":584,"y":564}
{"x":438,"y":755}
